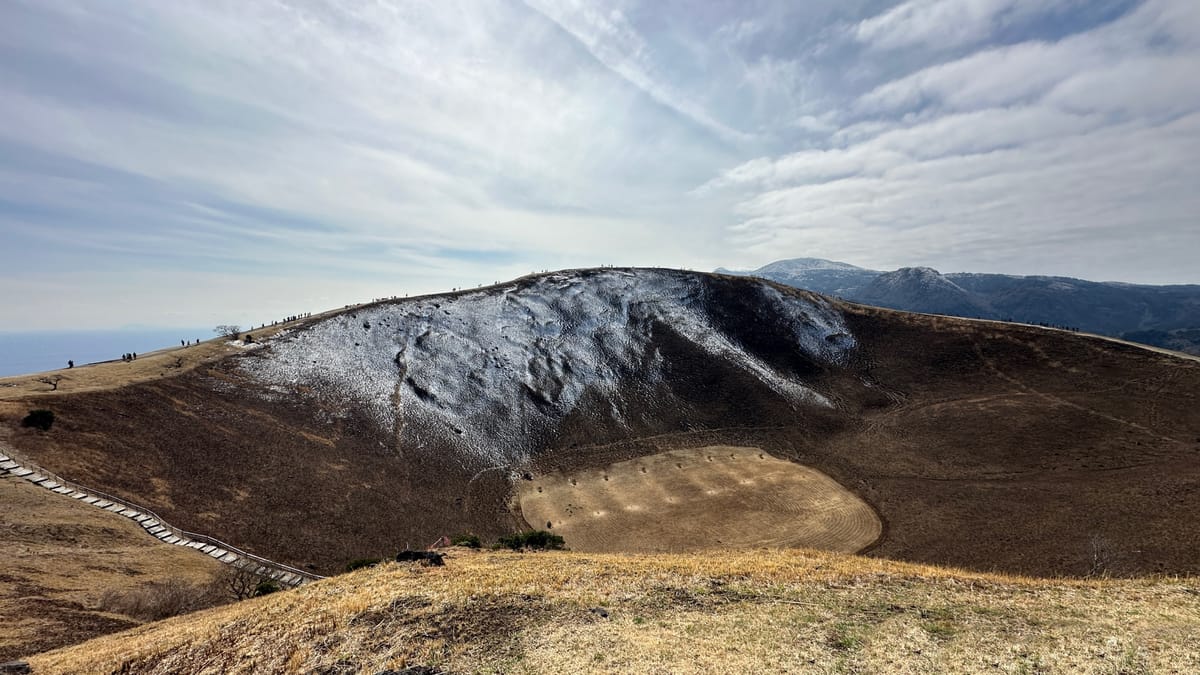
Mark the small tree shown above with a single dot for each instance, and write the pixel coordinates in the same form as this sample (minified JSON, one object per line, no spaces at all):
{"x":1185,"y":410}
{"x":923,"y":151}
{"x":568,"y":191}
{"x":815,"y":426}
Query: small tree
{"x":51,"y":380}
{"x":241,"y":582}
{"x":230,"y":331}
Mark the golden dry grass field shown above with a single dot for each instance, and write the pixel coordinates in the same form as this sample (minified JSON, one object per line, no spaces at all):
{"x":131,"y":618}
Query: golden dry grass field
{"x":59,"y":556}
{"x":697,"y":498}
{"x":733,"y":611}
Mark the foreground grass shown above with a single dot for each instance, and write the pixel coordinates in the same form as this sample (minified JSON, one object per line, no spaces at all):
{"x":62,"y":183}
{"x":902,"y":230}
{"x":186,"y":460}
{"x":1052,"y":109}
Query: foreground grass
{"x":760,"y":611}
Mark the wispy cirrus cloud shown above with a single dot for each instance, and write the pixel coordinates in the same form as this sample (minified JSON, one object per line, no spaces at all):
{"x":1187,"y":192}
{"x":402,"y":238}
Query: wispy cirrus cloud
{"x":613,"y":41}
{"x":1021,"y":157}
{"x":421,"y":147}
{"x":314,"y":153}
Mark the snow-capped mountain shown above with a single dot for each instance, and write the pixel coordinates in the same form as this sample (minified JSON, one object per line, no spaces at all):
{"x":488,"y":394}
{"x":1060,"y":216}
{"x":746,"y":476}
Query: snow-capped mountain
{"x":495,"y":370}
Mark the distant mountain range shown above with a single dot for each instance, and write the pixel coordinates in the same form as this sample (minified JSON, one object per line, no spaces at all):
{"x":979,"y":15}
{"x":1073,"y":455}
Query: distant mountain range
{"x":1162,"y":316}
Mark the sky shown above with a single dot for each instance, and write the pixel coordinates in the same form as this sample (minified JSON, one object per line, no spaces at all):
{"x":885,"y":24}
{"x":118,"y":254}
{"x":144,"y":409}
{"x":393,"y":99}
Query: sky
{"x":234,"y":161}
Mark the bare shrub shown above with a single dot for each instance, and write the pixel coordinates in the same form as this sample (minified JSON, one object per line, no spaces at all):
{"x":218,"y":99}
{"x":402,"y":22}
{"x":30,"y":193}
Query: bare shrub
{"x":240,"y":582}
{"x":159,"y":599}
{"x":1100,"y":556}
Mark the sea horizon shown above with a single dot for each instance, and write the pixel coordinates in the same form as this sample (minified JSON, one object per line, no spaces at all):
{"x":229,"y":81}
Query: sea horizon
{"x":30,"y":352}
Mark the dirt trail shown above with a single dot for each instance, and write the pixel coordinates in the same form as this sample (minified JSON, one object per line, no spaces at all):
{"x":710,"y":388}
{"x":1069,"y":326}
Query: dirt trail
{"x":995,"y":368}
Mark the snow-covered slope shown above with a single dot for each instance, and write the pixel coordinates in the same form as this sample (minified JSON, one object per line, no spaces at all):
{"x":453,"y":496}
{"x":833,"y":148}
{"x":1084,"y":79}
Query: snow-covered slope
{"x":488,"y":370}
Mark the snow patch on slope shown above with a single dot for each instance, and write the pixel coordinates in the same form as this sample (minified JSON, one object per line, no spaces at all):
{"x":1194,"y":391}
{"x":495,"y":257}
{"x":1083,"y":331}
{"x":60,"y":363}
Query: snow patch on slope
{"x":487,"y":368}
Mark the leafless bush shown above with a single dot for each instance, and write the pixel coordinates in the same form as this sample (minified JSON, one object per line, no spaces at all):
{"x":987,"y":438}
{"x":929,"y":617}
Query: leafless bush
{"x":1100,"y":556}
{"x":241,"y":582}
{"x":160,"y":599}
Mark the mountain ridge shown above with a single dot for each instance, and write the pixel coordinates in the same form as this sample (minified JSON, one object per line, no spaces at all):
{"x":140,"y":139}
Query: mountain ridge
{"x":1161,"y":316}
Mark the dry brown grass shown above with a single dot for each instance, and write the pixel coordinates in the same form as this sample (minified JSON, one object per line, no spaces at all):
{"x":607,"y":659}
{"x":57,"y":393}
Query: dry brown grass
{"x":752,"y":611}
{"x":59,"y":558}
{"x":113,"y":374}
{"x":163,"y":598}
{"x":697,"y":498}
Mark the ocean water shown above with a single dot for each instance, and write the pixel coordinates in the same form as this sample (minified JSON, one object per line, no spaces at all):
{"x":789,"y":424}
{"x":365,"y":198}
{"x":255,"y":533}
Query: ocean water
{"x":34,"y":352}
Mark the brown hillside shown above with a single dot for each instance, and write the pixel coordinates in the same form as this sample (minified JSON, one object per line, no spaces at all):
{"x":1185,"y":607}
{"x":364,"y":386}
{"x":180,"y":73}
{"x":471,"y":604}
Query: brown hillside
{"x":58,"y":557}
{"x":982,"y":445}
{"x":740,"y":612}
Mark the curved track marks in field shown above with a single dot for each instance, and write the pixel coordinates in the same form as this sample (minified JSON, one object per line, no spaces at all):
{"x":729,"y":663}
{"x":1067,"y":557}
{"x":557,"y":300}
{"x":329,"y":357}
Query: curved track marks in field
{"x":698,"y":498}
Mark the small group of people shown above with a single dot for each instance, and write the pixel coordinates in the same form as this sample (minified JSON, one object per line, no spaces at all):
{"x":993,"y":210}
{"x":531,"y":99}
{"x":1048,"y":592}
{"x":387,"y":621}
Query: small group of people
{"x":129,"y":357}
{"x":294,"y":317}
{"x":184,"y":343}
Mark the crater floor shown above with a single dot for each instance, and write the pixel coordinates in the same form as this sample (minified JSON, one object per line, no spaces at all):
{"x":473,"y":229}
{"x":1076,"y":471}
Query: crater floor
{"x":698,"y":498}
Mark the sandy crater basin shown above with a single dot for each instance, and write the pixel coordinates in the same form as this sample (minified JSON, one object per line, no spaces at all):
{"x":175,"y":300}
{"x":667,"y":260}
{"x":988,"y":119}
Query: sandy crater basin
{"x":699,"y":498}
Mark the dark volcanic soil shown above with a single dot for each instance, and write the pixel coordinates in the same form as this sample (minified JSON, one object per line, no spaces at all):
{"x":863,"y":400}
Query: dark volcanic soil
{"x":986,"y":446}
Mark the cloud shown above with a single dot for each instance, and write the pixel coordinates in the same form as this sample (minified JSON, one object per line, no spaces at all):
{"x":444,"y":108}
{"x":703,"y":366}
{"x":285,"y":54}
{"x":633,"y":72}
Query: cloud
{"x":201,"y":134}
{"x":610,"y":38}
{"x":955,"y":135}
{"x":378,"y":148}
{"x":1024,"y":157}
{"x":1027,"y":70}
{"x":939,"y":23}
